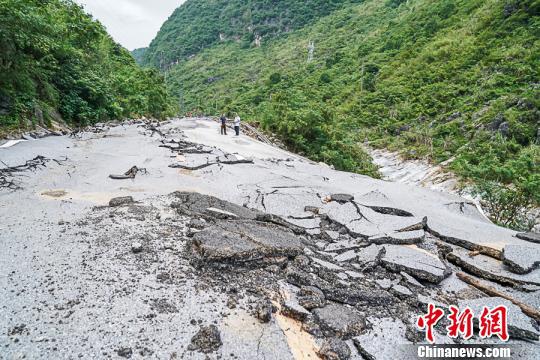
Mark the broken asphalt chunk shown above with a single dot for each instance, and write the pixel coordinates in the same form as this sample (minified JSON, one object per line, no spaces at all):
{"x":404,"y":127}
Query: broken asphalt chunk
{"x":521,"y":259}
{"x":399,"y":238}
{"x":383,"y":341}
{"x":121,"y":201}
{"x":341,"y":198}
{"x":520,"y":326}
{"x":340,"y":320}
{"x":530,"y":236}
{"x":334,"y":349}
{"x":292,"y":309}
{"x":416,"y":262}
{"x":491,"y":269}
{"x":191,"y":203}
{"x":244,"y":241}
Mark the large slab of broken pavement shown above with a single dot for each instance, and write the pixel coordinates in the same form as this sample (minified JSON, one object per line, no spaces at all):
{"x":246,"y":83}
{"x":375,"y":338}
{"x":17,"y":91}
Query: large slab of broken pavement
{"x":160,"y":240}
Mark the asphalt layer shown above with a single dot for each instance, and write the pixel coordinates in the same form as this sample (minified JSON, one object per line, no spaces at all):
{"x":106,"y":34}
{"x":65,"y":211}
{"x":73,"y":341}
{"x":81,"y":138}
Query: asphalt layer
{"x":225,"y":247}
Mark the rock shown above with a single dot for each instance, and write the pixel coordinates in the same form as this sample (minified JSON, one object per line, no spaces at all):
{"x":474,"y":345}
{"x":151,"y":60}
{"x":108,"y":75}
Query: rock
{"x":520,"y":326}
{"x":453,"y":116}
{"x":244,"y":241}
{"x":125,"y":352}
{"x":341,"y":198}
{"x":136,"y":247}
{"x":339,"y":320}
{"x":207,"y":340}
{"x":294,"y":310}
{"x":504,"y":129}
{"x":416,"y":262}
{"x":121,"y":201}
{"x":384,"y":341}
{"x":496,"y":122}
{"x":232,"y":302}
{"x":402,"y":129}
{"x":334,"y":349}
{"x":521,"y":259}
{"x":532,"y":237}
{"x":263,"y":311}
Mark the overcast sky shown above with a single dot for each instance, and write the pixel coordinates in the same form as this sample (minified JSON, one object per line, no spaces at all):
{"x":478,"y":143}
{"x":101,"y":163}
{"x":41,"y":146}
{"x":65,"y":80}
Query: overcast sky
{"x":133,"y":23}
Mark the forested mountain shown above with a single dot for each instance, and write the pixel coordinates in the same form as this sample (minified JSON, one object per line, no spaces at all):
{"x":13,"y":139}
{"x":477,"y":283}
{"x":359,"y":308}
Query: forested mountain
{"x":197,"y":25}
{"x":56,"y":61}
{"x":450,"y":80}
{"x":138,"y":54}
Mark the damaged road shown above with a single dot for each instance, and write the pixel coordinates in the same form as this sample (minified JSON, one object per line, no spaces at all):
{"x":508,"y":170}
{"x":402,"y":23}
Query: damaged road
{"x":228,"y":247}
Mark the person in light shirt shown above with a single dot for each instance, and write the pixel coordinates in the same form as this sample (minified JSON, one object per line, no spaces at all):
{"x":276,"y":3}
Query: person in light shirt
{"x":237,"y":125}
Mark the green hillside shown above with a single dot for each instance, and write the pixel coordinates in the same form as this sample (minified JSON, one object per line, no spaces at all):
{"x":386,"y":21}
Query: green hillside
{"x":138,"y":54}
{"x":197,"y":25}
{"x":436,"y":79}
{"x":56,"y":62}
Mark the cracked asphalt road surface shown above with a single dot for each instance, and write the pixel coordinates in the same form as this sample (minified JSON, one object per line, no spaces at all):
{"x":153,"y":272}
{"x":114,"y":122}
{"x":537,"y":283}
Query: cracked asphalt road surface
{"x":215,"y":227}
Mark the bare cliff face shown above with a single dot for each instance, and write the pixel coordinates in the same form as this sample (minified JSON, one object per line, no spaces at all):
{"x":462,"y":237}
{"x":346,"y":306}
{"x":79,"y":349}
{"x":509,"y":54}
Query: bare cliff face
{"x":207,"y":245}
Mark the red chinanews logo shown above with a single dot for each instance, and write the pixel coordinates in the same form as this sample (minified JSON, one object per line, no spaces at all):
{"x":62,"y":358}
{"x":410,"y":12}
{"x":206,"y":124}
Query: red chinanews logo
{"x":491,"y":322}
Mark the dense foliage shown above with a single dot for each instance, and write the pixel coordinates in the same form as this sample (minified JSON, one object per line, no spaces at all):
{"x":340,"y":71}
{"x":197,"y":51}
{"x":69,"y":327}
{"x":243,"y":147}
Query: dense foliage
{"x":138,"y":54}
{"x":57,"y":62}
{"x":197,"y":25}
{"x":445,"y":80}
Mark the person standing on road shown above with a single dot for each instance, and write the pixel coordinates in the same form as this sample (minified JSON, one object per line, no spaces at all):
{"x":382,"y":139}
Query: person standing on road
{"x":237,"y":125}
{"x":223,"y":120}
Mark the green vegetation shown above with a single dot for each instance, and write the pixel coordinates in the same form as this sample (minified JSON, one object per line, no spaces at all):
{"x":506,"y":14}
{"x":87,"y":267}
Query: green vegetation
{"x":57,"y":62}
{"x":439,"y":79}
{"x":138,"y":54}
{"x":197,"y":25}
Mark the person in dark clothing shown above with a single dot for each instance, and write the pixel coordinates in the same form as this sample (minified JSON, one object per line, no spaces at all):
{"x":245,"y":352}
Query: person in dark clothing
{"x":223,"y":120}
